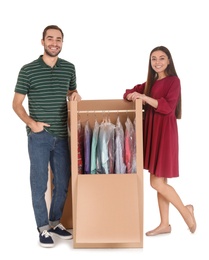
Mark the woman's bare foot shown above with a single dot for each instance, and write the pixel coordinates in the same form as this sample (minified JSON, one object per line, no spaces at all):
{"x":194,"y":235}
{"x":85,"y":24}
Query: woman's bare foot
{"x":193,"y":226}
{"x":159,"y":230}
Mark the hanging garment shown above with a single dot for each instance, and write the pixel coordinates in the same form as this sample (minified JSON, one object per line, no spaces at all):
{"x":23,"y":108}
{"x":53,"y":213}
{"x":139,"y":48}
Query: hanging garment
{"x":111,"y":146}
{"x":134,"y":148}
{"x":105,"y":148}
{"x":129,"y":144}
{"x":94,"y":147}
{"x":120,"y":166}
{"x":87,"y":147}
{"x":80,"y":147}
{"x":102,"y":150}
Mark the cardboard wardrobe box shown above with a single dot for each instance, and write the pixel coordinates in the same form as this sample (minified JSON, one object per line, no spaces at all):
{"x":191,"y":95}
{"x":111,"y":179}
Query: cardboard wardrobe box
{"x":107,"y":209}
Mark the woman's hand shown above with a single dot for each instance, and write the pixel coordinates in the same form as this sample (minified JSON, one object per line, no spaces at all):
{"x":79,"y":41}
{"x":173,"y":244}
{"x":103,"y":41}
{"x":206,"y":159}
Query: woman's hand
{"x":135,"y":95}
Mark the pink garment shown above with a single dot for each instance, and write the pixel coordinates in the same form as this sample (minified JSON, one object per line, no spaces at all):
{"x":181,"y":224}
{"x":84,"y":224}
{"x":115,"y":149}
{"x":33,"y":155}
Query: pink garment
{"x":129,"y":145}
{"x":80,"y":148}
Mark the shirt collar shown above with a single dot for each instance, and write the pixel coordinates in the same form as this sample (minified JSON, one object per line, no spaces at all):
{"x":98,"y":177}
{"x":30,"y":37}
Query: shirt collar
{"x":43,"y":64}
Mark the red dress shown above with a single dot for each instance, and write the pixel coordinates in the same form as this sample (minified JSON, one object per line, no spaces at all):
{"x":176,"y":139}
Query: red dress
{"x":160,"y":132}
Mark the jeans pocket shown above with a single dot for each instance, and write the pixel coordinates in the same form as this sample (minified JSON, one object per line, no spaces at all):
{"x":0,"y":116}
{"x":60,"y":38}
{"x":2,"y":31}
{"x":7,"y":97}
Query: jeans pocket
{"x":36,"y":133}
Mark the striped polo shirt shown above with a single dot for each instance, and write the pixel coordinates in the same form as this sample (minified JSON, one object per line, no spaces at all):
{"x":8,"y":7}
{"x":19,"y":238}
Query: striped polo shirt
{"x":46,"y":88}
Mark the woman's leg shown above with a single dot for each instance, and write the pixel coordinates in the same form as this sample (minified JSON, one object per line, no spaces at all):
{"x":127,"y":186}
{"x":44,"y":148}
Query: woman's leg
{"x":167,"y":194}
{"x":163,"y":205}
{"x":164,"y":226}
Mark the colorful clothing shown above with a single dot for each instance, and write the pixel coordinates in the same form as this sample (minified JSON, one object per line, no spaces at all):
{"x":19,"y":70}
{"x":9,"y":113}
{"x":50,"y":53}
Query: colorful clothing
{"x":129,"y":145}
{"x":80,"y":148}
{"x":94,"y":148}
{"x":120,"y":166}
{"x":87,"y":148}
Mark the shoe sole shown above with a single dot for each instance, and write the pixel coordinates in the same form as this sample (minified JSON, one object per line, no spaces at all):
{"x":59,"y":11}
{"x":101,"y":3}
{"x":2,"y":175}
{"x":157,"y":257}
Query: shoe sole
{"x":46,"y":245}
{"x":62,"y":237}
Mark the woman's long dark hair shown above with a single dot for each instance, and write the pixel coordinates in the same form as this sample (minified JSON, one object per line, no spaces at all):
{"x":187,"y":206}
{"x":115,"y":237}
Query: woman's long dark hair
{"x":152,"y":76}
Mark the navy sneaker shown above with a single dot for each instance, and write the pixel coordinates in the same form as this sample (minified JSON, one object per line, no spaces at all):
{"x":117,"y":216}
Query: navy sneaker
{"x":46,"y":239}
{"x":61,"y":232}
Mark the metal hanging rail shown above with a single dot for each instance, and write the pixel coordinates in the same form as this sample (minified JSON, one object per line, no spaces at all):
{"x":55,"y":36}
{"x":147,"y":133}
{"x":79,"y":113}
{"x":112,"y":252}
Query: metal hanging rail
{"x":105,"y":111}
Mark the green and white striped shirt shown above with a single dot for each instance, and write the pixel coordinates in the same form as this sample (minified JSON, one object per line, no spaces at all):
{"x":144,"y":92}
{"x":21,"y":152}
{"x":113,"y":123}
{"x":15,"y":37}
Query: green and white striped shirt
{"x":46,"y":89}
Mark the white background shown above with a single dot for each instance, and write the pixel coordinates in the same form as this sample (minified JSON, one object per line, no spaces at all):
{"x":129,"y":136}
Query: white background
{"x":109,"y":42}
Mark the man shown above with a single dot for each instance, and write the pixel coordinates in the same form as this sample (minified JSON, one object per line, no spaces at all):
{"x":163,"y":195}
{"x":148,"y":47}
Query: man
{"x":47,"y":81}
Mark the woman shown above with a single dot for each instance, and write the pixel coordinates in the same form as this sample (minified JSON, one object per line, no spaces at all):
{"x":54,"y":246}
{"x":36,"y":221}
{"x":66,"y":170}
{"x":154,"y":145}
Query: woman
{"x":161,"y":96}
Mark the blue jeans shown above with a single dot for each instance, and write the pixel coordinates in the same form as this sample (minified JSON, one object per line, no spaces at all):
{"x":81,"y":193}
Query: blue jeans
{"x":45,"y":149}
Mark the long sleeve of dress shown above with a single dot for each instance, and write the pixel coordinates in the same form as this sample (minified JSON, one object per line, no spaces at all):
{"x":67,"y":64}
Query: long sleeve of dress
{"x":167,"y":103}
{"x":138,"y":88}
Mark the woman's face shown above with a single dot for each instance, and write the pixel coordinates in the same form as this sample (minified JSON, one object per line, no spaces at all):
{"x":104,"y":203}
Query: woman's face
{"x":159,"y":62}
